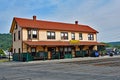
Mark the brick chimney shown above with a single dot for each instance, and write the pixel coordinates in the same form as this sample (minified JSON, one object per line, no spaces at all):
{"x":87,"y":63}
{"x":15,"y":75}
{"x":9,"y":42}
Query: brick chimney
{"x":76,"y":22}
{"x":34,"y":17}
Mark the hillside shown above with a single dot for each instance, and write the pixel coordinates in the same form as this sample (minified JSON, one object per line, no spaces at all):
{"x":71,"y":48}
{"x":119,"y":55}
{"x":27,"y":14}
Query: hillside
{"x":5,"y":41}
{"x":114,"y":43}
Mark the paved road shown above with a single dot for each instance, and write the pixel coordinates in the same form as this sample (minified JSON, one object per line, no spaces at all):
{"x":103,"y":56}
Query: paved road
{"x":102,"y":69}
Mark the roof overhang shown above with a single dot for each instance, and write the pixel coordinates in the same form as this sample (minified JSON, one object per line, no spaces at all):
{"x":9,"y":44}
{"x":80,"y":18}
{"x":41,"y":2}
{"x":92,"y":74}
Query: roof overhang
{"x":59,"y":43}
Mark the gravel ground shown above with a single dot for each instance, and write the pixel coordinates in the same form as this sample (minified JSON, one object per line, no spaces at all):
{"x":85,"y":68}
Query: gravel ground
{"x":101,"y":69}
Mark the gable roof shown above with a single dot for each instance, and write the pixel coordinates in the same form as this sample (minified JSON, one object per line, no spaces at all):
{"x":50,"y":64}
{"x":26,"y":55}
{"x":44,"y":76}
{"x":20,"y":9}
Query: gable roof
{"x":49,"y":25}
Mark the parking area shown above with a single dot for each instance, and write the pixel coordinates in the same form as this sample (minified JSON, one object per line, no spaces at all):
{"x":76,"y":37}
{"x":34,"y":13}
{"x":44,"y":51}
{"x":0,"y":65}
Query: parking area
{"x":92,"y":69}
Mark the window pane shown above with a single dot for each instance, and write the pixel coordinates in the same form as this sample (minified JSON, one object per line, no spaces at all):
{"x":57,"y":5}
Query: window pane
{"x":62,"y":34}
{"x":65,"y":34}
{"x":52,"y":34}
{"x":80,"y":36}
{"x":48,"y":33}
{"x":34,"y":32}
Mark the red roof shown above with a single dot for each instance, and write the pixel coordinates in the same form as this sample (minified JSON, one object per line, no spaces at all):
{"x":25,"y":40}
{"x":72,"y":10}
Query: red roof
{"x":58,"y":43}
{"x":48,"y":25}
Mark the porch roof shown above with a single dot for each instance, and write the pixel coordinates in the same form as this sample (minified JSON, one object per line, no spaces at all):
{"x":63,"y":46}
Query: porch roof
{"x":59,"y":43}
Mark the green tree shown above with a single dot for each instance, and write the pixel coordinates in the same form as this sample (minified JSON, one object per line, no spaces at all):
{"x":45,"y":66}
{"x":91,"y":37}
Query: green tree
{"x":5,"y":41}
{"x":2,"y":53}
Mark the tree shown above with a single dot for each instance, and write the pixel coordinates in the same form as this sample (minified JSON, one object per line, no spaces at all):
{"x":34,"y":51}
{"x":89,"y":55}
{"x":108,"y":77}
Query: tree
{"x":5,"y":41}
{"x":2,"y":53}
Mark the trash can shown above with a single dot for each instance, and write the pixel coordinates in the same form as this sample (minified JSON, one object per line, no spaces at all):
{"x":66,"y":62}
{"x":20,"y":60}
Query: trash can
{"x":96,"y":54}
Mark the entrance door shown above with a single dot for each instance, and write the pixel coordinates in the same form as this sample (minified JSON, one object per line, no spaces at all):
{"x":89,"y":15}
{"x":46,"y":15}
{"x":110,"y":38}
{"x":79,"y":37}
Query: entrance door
{"x":68,"y":52}
{"x":52,"y":51}
{"x":33,"y":51}
{"x":61,"y":49}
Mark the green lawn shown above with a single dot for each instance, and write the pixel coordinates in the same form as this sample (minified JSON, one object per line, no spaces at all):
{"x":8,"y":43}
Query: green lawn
{"x":3,"y":60}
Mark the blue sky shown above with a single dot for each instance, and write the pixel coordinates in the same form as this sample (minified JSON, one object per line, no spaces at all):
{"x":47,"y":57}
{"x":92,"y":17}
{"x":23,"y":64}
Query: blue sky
{"x":102,"y":15}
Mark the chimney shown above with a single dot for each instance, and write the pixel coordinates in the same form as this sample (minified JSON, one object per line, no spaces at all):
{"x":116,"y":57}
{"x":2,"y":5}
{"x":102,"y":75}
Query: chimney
{"x":34,"y":17}
{"x":76,"y":22}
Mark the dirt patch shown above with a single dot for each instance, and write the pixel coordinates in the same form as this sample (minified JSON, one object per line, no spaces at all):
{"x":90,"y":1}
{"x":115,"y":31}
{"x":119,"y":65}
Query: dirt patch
{"x":110,"y":64}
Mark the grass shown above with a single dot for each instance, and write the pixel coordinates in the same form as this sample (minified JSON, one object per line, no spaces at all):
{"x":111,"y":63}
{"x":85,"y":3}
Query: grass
{"x":3,"y":60}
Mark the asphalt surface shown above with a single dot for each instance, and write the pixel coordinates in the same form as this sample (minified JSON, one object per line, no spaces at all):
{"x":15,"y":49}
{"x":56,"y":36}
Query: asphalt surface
{"x":98,"y":69}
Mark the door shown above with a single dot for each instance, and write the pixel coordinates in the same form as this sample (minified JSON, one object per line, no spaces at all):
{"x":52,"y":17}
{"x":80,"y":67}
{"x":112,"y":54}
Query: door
{"x":61,"y":49}
{"x":33,"y":51}
{"x":52,"y":51}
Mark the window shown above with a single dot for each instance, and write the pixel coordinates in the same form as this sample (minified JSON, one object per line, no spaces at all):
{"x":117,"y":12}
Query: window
{"x":18,"y":35}
{"x":90,"y":36}
{"x":64,"y":35}
{"x":14,"y":50}
{"x":29,"y":34}
{"x":50,"y":35}
{"x":73,"y":36}
{"x":19,"y":50}
{"x":14,"y":36}
{"x":16,"y":26}
{"x":80,"y":36}
{"x":34,"y":33}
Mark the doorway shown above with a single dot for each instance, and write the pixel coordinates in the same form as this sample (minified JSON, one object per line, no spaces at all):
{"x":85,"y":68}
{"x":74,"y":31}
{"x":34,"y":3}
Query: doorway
{"x":33,"y":51}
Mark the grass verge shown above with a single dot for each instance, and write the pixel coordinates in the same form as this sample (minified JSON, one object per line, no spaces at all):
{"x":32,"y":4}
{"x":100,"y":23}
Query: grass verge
{"x":3,"y":60}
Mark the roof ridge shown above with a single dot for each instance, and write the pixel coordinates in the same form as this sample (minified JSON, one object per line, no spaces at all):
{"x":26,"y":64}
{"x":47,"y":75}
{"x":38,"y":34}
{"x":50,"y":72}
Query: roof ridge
{"x":52,"y":21}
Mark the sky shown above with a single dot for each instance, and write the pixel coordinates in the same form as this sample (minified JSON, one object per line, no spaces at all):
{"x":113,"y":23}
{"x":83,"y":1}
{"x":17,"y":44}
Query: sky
{"x":102,"y":15}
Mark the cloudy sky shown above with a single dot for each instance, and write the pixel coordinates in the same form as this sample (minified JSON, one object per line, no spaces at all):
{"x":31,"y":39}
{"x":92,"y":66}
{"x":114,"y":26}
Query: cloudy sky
{"x":102,"y":15}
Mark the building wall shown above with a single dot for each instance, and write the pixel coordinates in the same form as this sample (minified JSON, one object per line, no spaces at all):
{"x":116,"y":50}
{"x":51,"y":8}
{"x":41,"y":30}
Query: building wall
{"x":43,"y":36}
{"x":24,"y":36}
{"x":17,"y":43}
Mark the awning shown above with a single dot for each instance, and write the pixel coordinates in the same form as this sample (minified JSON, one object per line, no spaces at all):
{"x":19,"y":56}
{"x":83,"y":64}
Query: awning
{"x":59,"y":43}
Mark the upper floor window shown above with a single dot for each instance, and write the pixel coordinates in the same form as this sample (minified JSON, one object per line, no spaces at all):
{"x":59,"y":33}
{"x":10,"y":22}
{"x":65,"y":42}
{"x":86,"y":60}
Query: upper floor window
{"x":80,"y":36}
{"x":73,"y":36}
{"x":50,"y":35}
{"x":29,"y":34}
{"x":32,"y":34}
{"x":16,"y":26}
{"x":90,"y":36}
{"x":18,"y":35}
{"x":64,"y":35}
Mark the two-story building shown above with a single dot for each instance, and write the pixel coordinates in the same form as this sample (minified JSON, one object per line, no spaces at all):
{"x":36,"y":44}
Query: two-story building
{"x":46,"y":39}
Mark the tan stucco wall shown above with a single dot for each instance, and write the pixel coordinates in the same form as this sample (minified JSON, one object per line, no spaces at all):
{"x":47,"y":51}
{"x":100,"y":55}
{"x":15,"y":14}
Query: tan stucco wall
{"x":25,"y":48}
{"x":95,"y":48}
{"x":86,"y":47}
{"x":43,"y":36}
{"x":39,"y":48}
{"x":17,"y":43}
{"x":24,"y":37}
